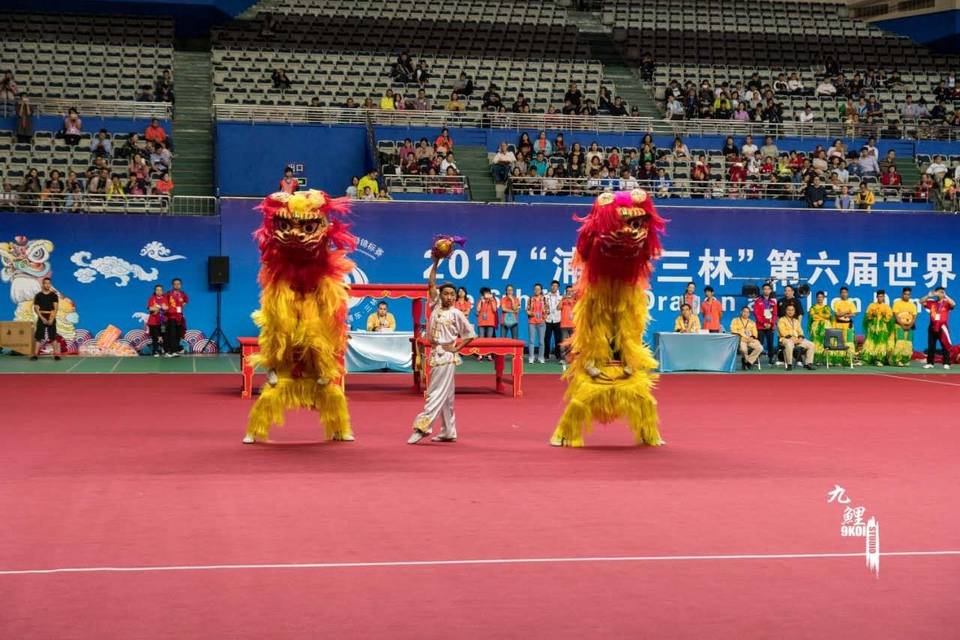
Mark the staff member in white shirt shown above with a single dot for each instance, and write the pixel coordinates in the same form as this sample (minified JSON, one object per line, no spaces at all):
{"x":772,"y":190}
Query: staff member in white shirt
{"x":553,"y":301}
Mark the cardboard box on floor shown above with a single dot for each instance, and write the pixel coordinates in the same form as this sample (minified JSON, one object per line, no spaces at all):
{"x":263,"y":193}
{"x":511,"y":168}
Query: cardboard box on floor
{"x":17,"y":336}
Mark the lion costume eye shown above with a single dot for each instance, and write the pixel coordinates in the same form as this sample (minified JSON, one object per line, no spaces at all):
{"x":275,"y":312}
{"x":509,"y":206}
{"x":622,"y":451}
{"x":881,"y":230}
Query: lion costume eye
{"x":311,"y":226}
{"x":282,"y":224}
{"x":636,"y":223}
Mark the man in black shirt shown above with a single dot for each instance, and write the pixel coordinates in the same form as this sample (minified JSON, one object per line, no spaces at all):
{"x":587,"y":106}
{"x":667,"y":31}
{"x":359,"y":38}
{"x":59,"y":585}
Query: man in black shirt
{"x":789,"y":299}
{"x":45,"y":306}
{"x":573,"y":95}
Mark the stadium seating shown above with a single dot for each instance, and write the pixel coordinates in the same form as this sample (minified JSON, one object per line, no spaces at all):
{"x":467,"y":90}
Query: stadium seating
{"x":83,"y":58}
{"x":243,"y":77}
{"x":523,"y":12}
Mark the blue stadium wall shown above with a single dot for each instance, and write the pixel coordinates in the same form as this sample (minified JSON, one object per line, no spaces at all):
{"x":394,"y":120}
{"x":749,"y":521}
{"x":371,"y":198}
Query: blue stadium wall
{"x":939,"y":30}
{"x":108,"y":264}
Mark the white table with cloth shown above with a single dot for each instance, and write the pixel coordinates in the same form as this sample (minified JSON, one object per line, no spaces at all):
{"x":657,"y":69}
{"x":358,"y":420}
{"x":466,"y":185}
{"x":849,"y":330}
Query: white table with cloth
{"x":696,"y":351}
{"x":376,"y":351}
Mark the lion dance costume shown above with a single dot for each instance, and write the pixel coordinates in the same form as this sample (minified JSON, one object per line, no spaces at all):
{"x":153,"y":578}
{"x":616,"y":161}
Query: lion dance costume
{"x":610,"y":369}
{"x":304,"y":242}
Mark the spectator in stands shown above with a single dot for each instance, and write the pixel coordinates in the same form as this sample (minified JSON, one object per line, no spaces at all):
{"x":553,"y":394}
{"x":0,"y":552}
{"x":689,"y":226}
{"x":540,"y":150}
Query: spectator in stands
{"x":815,"y":195}
{"x":520,"y":104}
{"x":266,"y":27}
{"x":138,"y":166}
{"x":101,"y":145}
{"x":388,"y":101}
{"x":937,"y":169}
{"x":115,"y":186}
{"x":403,"y":70}
{"x":164,"y":87}
{"x":25,"y":113}
{"x":748,"y":148}
{"x":71,"y":182}
{"x":289,"y":183}
{"x":447,"y":162}
{"x":51,"y":197}
{"x":674,"y":108}
{"x":769,"y":148}
{"x":825,"y":88}
{"x":280,"y":79}
{"x":889,"y":160}
{"x":155,"y":133}
{"x":145,"y":94}
{"x":542,"y":144}
{"x":891,"y":180}
{"x":539,"y":164}
{"x":605,"y":100}
{"x":924,"y":189}
{"x":98,"y":184}
{"x":163,"y":185}
{"x":700,"y":178}
{"x":368,"y":103}
{"x":130,"y":147}
{"x":779,"y":85}
{"x":351,"y":191}
{"x":573,"y":95}
{"x":868,"y":163}
{"x":463,"y":85}
{"x":424,"y":154}
{"x":503,"y":161}
{"x":912,"y":111}
{"x":618,"y":108}
{"x":29,"y":190}
{"x":589,"y":108}
{"x":839,"y":170}
{"x":843,"y":201}
{"x":368,"y":184}
{"x":663,"y":185}
{"x":680,"y":150}
{"x":72,"y":127}
{"x":807,"y":115}
{"x":722,"y":108}
{"x":134,"y":187}
{"x":8,"y":87}
{"x":444,"y":143}
{"x":421,"y":74}
{"x":455,"y":104}
{"x":819,"y":162}
{"x":864,"y":199}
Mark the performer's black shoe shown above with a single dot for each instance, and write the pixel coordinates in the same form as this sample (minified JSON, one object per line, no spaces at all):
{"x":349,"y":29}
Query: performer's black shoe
{"x":809,"y":367}
{"x":789,"y":367}
{"x":56,"y":357}
{"x":37,"y":358}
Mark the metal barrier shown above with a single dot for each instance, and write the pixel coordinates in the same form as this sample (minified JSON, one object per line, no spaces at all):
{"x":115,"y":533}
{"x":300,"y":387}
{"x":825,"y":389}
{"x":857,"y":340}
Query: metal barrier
{"x":427,"y":184}
{"x":100,"y":108}
{"x":99,"y":203}
{"x":696,"y":189}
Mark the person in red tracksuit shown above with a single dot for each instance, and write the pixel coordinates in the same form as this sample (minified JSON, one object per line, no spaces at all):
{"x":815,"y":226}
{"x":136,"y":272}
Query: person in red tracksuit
{"x":487,"y":318}
{"x":765,"y":315}
{"x":156,"y":305}
{"x":939,"y":304}
{"x":176,"y":324}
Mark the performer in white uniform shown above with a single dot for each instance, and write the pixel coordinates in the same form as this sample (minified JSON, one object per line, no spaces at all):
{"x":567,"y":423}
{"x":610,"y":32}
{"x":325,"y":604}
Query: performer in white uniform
{"x":448,"y":331}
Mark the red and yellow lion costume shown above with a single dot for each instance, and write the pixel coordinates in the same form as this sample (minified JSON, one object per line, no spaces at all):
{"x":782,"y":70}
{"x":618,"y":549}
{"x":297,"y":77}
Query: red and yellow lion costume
{"x":304,"y":242}
{"x":610,"y":369}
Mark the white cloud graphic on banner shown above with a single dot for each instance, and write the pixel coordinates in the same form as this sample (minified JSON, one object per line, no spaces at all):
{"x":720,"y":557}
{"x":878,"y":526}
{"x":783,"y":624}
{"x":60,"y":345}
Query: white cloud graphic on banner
{"x":156,"y":250}
{"x":140,"y":316}
{"x":109,"y":267}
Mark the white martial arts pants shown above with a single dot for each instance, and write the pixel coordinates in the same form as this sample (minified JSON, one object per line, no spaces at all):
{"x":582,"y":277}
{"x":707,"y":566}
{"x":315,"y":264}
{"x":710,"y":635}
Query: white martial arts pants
{"x":440,"y":394}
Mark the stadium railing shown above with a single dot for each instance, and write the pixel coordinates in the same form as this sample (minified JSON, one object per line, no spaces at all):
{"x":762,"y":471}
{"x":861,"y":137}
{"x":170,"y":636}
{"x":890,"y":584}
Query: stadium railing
{"x":99,"y":203}
{"x":98,"y":108}
{"x":542,"y":121}
{"x":715,"y":188}
{"x":428,"y":184}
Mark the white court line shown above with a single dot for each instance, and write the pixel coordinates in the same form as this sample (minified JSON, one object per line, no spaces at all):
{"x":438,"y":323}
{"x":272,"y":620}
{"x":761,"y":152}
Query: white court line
{"x":915,"y":378}
{"x":75,"y":365}
{"x":467,"y":562}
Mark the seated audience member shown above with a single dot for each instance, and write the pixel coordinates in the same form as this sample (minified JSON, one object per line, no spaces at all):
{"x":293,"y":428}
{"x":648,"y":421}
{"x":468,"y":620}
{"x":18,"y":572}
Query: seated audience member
{"x":791,"y":336}
{"x":280,"y":79}
{"x":686,"y":322}
{"x":115,"y":187}
{"x":381,"y":320}
{"x":748,"y":149}
{"x":815,"y":194}
{"x":503,"y":161}
{"x":454,"y":104}
{"x":864,"y":199}
{"x":746,"y":329}
{"x":388,"y":101}
{"x":421,"y":74}
{"x":130,"y":148}
{"x":99,"y":182}
{"x":937,"y":169}
{"x":769,"y":148}
{"x":891,"y":180}
{"x":351,"y":191}
{"x":826,"y":88}
{"x":868,"y":163}
{"x":164,"y":87}
{"x":448,"y":162}
{"x":443,"y":143}
{"x":924,"y":188}
{"x":163,"y":185}
{"x":101,"y":144}
{"x":8,"y":87}
{"x":72,"y":127}
{"x":135,"y":187}
{"x":154,"y":132}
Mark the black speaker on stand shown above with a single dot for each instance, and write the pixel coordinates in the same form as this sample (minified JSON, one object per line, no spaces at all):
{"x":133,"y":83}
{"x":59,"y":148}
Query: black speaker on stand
{"x":218,"y":274}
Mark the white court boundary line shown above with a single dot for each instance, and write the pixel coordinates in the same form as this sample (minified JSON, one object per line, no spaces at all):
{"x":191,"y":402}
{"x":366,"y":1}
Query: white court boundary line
{"x":916,"y":378}
{"x":464,"y":562}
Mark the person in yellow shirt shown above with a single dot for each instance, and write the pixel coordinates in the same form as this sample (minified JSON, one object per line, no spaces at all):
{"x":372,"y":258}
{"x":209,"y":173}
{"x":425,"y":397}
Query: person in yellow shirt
{"x":878,"y":331}
{"x":819,"y":317}
{"x":790,"y":330}
{"x":387,"y":102}
{"x":905,"y":319}
{"x":686,"y":322}
{"x":369,"y":180}
{"x":382,"y":320}
{"x":746,"y":329}
{"x":864,"y":199}
{"x":844,"y":311}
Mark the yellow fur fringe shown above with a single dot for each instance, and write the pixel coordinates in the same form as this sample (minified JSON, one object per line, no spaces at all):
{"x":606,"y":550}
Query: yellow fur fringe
{"x":608,"y":311}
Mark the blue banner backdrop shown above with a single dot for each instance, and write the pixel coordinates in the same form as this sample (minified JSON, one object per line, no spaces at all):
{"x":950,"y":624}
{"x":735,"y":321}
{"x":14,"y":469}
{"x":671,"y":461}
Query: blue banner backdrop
{"x":522,"y":245}
{"x":107,"y":265}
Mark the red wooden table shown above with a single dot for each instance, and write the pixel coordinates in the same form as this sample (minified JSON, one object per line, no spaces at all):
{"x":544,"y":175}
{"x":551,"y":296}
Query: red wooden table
{"x":415,"y":292}
{"x":499,"y":348}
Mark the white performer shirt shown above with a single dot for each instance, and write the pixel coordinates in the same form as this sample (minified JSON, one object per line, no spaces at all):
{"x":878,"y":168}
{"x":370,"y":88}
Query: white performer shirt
{"x":444,"y":327}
